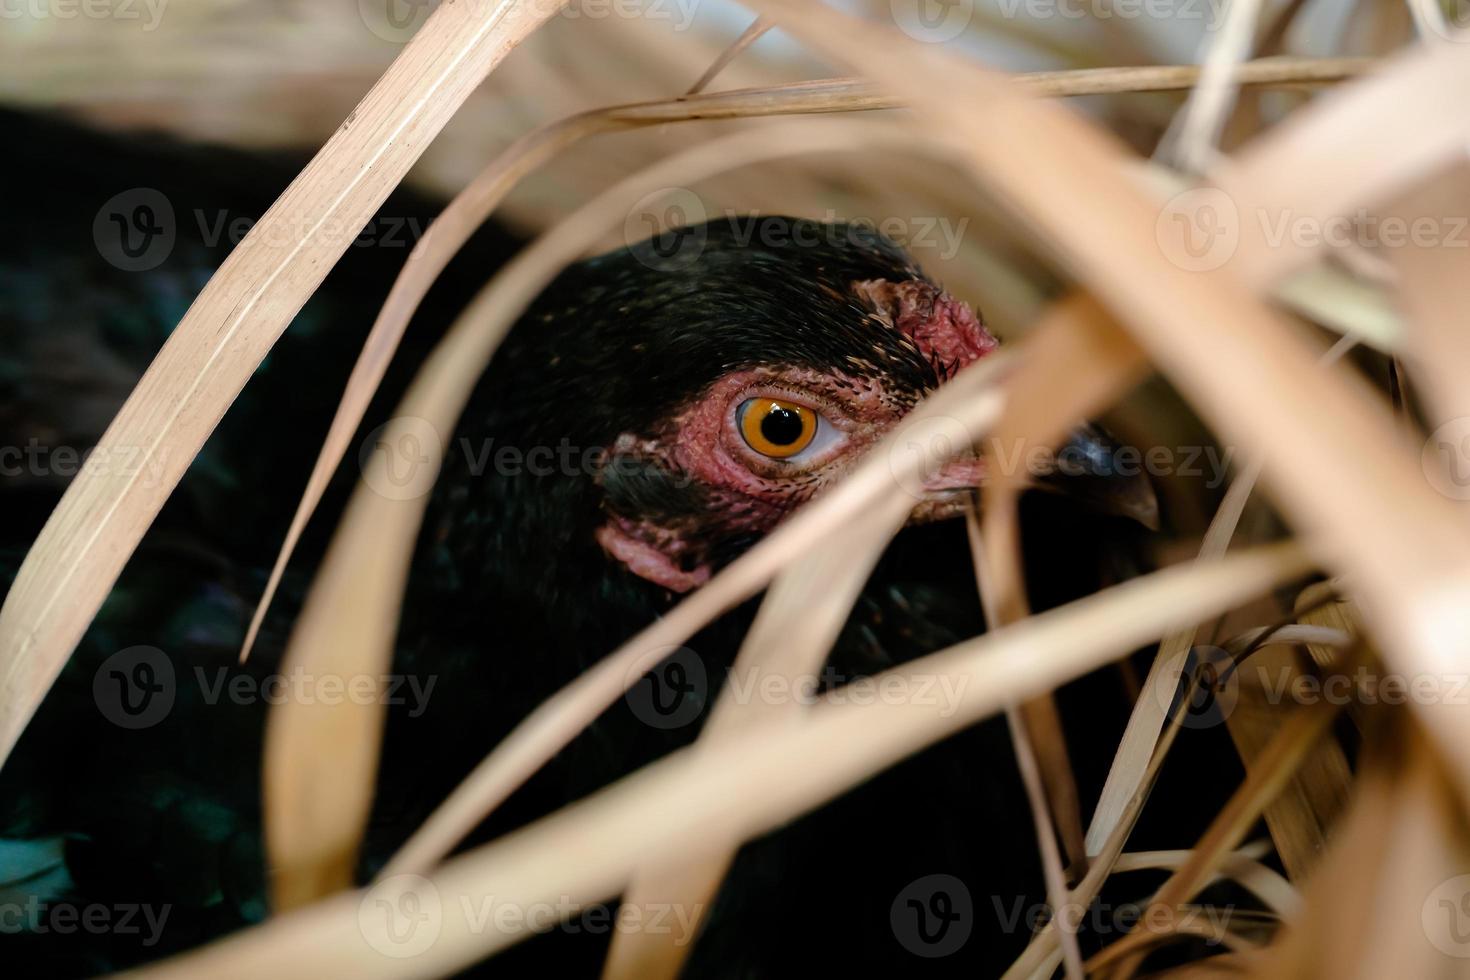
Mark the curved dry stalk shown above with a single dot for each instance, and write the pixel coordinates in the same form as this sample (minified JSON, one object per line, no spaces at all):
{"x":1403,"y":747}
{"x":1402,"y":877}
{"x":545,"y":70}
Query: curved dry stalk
{"x":320,"y":759}
{"x":1026,"y":762}
{"x":1415,"y":569}
{"x":1074,"y":335}
{"x":1097,"y":367}
{"x":1176,"y":928}
{"x":798,"y":621}
{"x":473,"y":206}
{"x":1043,"y":951}
{"x":1431,"y":274}
{"x":1141,"y":736}
{"x":1265,"y":779}
{"x":1242,"y":866}
{"x":1194,"y":137}
{"x":749,"y":36}
{"x":1319,"y":635}
{"x":231,"y":325}
{"x":1312,"y":168}
{"x":1075,"y":348}
{"x":445,"y":236}
{"x":1083,"y":371}
{"x":972,"y":400}
{"x":586,"y":852}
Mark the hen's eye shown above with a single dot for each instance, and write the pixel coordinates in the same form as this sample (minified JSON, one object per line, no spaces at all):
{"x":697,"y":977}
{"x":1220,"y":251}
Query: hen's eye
{"x":776,"y":428}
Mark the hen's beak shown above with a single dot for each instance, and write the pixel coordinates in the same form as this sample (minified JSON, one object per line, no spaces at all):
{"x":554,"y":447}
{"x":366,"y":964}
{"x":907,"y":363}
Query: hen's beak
{"x":1087,"y":467}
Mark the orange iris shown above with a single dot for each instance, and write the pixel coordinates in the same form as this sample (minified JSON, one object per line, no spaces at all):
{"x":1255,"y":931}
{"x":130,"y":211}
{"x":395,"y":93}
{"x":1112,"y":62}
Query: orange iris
{"x":776,"y":428}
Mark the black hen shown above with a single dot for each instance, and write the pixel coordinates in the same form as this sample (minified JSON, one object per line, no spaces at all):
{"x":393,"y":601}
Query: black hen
{"x":651,"y":416}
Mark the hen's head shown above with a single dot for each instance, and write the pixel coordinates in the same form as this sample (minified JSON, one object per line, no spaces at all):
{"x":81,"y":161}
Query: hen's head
{"x":721,"y":386}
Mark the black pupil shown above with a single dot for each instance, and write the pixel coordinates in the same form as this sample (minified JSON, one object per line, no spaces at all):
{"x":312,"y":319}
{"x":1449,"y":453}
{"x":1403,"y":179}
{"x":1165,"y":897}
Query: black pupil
{"x":781,"y":426}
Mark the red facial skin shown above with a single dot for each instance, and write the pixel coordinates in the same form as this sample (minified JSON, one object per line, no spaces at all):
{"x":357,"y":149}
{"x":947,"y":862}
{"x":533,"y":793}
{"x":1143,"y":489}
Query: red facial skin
{"x":945,"y":329}
{"x":748,"y":493}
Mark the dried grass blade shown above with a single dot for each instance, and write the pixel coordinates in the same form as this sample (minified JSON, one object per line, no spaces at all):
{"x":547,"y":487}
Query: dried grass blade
{"x":1414,"y":570}
{"x":474,"y":205}
{"x":227,"y":332}
{"x":799,"y":620}
{"x":1021,"y":725}
{"x":1264,"y":780}
{"x":587,"y":852}
{"x":320,"y":758}
{"x":749,"y":36}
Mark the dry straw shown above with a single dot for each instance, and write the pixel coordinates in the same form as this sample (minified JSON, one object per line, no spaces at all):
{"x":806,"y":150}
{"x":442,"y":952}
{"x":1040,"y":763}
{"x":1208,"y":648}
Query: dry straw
{"x":1327,"y":449}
